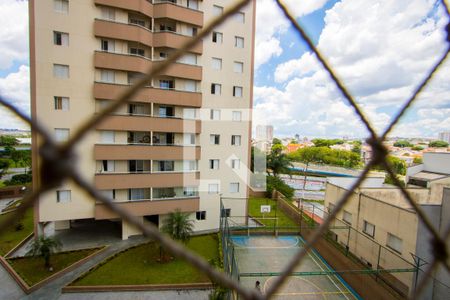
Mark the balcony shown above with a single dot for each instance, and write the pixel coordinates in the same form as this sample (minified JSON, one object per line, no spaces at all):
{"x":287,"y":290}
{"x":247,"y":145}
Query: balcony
{"x":175,"y":40}
{"x":134,"y":63}
{"x":143,"y":6}
{"x":147,"y":207}
{"x":142,"y":123}
{"x":111,"y":91}
{"x":128,"y":152}
{"x":178,"y":12}
{"x":106,"y":181}
{"x":158,"y":10}
{"x":123,"y":31}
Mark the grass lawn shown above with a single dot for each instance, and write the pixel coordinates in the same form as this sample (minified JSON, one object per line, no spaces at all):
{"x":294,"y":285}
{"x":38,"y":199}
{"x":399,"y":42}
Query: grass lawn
{"x":139,"y":265}
{"x":2,"y":184}
{"x":32,"y":269}
{"x":11,"y":237}
{"x":254,"y":209}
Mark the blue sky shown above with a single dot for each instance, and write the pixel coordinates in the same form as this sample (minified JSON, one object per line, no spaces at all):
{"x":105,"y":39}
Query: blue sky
{"x":380,"y":49}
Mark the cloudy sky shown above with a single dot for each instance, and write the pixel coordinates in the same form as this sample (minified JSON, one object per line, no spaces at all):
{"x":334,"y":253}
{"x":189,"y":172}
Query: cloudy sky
{"x":381,"y":50}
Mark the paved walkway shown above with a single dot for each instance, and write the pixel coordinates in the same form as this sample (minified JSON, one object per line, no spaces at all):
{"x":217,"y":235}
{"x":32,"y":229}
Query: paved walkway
{"x":8,"y":286}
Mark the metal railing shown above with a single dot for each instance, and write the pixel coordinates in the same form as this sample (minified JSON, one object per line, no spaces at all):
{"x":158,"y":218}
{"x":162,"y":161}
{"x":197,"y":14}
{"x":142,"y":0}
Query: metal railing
{"x":59,"y":163}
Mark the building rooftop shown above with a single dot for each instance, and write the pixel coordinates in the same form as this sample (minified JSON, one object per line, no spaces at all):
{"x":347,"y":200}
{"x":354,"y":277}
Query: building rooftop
{"x":428,"y":176}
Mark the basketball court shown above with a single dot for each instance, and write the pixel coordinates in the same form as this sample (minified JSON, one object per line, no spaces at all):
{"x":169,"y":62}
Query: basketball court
{"x":262,"y":258}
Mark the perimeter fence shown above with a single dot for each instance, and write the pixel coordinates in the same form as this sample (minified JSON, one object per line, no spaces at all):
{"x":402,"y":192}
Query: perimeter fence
{"x":59,"y":163}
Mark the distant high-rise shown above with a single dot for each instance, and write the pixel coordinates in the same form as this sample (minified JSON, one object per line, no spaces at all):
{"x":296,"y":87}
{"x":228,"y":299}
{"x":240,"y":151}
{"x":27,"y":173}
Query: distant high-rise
{"x":264,"y":132}
{"x":444,"y":136}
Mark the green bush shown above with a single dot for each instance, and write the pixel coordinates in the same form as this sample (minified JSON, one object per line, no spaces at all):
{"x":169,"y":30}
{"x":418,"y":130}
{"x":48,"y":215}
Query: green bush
{"x":19,"y":179}
{"x":279,"y":185}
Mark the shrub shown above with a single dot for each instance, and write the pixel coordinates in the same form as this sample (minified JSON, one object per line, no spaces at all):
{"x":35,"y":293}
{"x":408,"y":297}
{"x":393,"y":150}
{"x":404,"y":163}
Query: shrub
{"x":275,"y":183}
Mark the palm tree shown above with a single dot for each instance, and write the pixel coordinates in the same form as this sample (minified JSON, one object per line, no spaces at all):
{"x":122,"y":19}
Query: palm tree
{"x":45,"y":247}
{"x":278,"y":162}
{"x":178,"y":226}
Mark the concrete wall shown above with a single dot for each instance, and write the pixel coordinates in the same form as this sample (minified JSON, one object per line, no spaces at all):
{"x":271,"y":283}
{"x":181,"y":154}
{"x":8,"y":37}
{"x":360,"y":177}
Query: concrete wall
{"x":437,"y":162}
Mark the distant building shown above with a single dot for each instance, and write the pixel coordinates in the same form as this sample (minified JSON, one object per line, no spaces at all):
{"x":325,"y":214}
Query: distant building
{"x":264,"y":132}
{"x":294,"y":147}
{"x":383,"y":215}
{"x":445,"y":136}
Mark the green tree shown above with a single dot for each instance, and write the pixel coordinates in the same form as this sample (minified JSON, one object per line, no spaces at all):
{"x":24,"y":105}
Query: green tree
{"x":178,"y":226}
{"x":327,"y":142}
{"x":276,"y":183}
{"x":4,"y":166}
{"x":418,"y":160}
{"x":438,"y":144}
{"x":402,"y":144}
{"x":8,"y":140}
{"x":417,"y":148}
{"x":325,"y":155}
{"x":278,"y":162}
{"x":45,"y":247}
{"x":276,"y":141}
{"x":19,"y":179}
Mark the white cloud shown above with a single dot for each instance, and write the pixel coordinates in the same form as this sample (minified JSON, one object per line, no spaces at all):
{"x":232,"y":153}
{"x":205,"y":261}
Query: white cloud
{"x":270,"y":23}
{"x":13,"y":33}
{"x":15,"y":88}
{"x":381,"y":50}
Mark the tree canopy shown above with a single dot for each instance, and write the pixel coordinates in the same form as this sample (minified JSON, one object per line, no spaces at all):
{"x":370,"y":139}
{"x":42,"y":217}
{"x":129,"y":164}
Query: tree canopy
{"x":8,"y":140}
{"x":438,"y":144}
{"x":325,"y":155}
{"x":327,"y":142}
{"x":278,"y":162}
{"x":402,"y":144}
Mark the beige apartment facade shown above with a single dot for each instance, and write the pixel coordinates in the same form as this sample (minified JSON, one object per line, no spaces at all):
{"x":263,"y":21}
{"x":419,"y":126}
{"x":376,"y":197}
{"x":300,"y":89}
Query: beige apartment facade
{"x":388,"y":233}
{"x":181,"y":143}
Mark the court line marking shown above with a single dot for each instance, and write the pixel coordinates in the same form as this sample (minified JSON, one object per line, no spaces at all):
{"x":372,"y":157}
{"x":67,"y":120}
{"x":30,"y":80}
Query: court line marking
{"x":263,"y":247}
{"x":329,"y":277}
{"x":321,"y":292}
{"x":311,"y":293}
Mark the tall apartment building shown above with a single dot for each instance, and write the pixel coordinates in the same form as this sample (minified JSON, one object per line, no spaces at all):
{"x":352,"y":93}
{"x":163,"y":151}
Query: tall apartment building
{"x":444,"y":136}
{"x":182,"y":143}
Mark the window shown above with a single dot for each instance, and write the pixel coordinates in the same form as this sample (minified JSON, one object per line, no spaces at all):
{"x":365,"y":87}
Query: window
{"x":166,"y":84}
{"x":217,"y":37}
{"x":190,"y":86}
{"x":107,"y":76}
{"x":62,"y":134}
{"x":139,"y":109}
{"x":61,"y":6}
{"x":226,"y":212}
{"x":61,"y":103}
{"x":331,"y":207}
{"x":239,"y":42}
{"x":394,"y":242}
{"x":110,"y":194}
{"x":108,"y":165}
{"x":137,"y":51}
{"x":193,"y":4}
{"x":107,"y":137}
{"x":213,"y":188}
{"x":189,"y":113}
{"x":136,"y":194}
{"x":166,"y":111}
{"x":200,"y":215}
{"x":369,"y":229}
{"x":234,"y":187}
{"x":108,"y":13}
{"x":217,"y":10}
{"x":189,"y":138}
{"x":217,"y":63}
{"x":237,"y":91}
{"x":347,"y":218}
{"x":215,"y":114}
{"x":61,"y":71}
{"x":236,"y":116}
{"x":108,"y":45}
{"x":240,"y":17}
{"x":138,"y":166}
{"x":190,"y":165}
{"x":135,"y":21}
{"x":235,"y":163}
{"x":236,"y":140}
{"x":166,"y":165}
{"x":238,"y":67}
{"x":63,"y":196}
{"x":216,"y":88}
{"x":60,"y":38}
{"x":214,"y":164}
{"x":190,"y":191}
{"x":214,"y":139}
{"x":188,"y":58}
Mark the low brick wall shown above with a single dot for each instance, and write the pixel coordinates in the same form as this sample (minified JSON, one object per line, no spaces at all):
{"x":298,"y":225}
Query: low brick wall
{"x":12,"y":191}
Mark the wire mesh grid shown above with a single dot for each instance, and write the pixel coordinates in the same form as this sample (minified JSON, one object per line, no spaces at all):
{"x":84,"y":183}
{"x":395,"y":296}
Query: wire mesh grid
{"x":59,"y":161}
